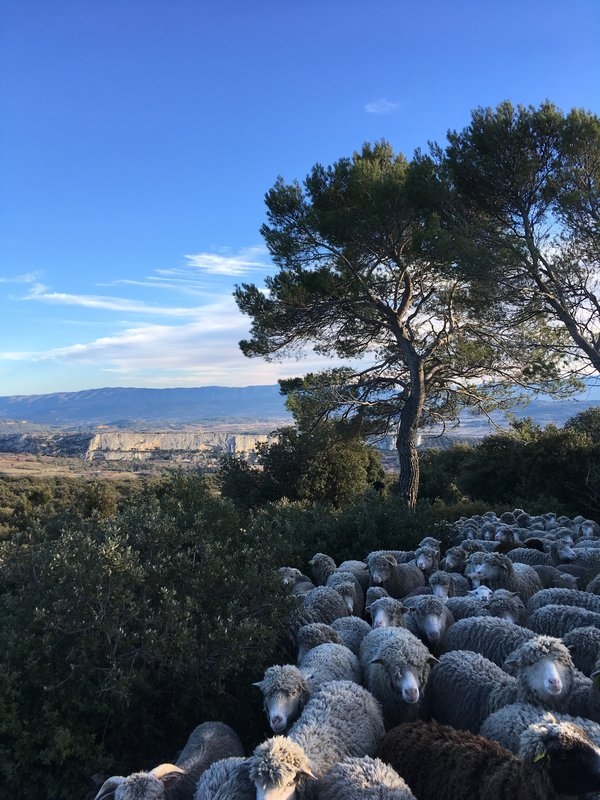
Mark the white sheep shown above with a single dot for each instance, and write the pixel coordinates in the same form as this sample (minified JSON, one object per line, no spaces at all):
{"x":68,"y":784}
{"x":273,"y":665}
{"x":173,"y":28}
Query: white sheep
{"x":465,"y":687}
{"x":396,"y":666}
{"x":341,"y":719}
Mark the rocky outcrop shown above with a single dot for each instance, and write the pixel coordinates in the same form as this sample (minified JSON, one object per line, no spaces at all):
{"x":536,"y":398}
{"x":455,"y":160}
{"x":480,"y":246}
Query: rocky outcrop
{"x":133,"y":445}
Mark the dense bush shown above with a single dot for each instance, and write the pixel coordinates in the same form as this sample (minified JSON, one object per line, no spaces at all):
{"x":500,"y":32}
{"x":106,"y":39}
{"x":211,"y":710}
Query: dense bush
{"x":325,"y":464}
{"x":121,"y":633}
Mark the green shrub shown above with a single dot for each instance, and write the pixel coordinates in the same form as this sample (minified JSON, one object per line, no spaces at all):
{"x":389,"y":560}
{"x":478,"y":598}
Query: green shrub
{"x":120,"y":634}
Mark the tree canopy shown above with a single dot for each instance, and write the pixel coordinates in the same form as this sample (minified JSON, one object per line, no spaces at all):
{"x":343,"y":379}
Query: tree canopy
{"x":360,"y":277}
{"x":522,"y":209}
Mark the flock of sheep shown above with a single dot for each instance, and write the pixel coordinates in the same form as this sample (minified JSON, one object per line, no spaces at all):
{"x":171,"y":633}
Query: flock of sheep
{"x":472,"y":675}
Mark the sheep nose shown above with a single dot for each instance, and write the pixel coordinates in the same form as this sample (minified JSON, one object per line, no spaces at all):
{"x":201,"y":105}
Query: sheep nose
{"x":277,"y":723}
{"x":376,"y":579}
{"x":411,"y":695}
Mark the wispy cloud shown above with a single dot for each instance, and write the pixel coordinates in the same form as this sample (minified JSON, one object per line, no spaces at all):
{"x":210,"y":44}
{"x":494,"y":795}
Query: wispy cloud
{"x":27,"y":277}
{"x":381,"y":106}
{"x":248,"y":260}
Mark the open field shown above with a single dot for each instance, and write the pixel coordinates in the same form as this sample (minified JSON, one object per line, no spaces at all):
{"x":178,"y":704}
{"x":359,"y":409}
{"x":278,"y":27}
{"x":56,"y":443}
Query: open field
{"x":33,"y":466}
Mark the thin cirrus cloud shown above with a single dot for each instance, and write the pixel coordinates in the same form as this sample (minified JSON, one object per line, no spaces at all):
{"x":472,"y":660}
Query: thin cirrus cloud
{"x":381,"y":106}
{"x":248,"y":260}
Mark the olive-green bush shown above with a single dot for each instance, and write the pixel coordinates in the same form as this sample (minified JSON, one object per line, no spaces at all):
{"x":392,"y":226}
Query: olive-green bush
{"x":121,"y":633}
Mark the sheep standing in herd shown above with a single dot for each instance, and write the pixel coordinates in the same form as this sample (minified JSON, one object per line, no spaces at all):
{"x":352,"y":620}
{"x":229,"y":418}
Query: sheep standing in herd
{"x":438,"y":761}
{"x":486,"y":677}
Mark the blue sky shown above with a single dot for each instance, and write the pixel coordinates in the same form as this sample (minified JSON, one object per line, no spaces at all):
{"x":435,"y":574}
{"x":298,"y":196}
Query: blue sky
{"x":138,"y":138}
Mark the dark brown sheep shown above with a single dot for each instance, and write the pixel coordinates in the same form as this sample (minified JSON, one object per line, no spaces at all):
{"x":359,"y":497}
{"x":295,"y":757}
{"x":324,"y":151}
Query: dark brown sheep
{"x":438,"y":761}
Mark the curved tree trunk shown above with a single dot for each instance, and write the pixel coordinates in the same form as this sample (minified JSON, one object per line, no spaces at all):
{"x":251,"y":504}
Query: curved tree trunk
{"x":407,"y":439}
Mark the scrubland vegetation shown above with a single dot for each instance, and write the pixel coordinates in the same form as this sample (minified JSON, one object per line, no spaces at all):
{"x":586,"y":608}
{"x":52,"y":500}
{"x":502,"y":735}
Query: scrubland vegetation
{"x":133,"y":611}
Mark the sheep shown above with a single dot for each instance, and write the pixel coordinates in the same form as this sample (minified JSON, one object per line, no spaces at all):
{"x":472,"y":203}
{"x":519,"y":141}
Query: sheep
{"x":584,"y":700}
{"x":557,"y":620}
{"x":482,"y":593}
{"x":440,"y":762}
{"x":374,"y":593}
{"x":430,"y":541}
{"x":462,"y":607}
{"x":352,"y":630}
{"x":363,"y":778}
{"x":322,"y":566}
{"x":396,"y":666}
{"x":227,"y":779}
{"x":465,"y":687}
{"x":473,"y":562}
{"x":207,"y":743}
{"x":492,"y":637}
{"x":454,"y":559}
{"x":296,"y":580}
{"x":359,"y":569}
{"x":348,"y":586}
{"x":341,"y":719}
{"x":448,"y":584}
{"x":330,"y":662}
{"x":285,"y":692}
{"x":499,"y":572}
{"x":430,"y":620}
{"x":325,"y":604}
{"x":388,"y":612}
{"x":427,"y":559}
{"x":313,"y":634}
{"x":507,"y":605}
{"x":551,"y":577}
{"x":589,"y":559}
{"x":559,"y":551}
{"x":396,"y":578}
{"x":584,"y":646}
{"x":571,"y":597}
{"x":506,"y":725}
{"x":593,"y":586}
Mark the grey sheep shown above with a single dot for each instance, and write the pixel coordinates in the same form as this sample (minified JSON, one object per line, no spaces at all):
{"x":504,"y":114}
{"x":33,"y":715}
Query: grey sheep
{"x":359,"y":569}
{"x":558,"y":620}
{"x":330,"y":662}
{"x":454,"y":559}
{"x":588,"y":558}
{"x":387,"y":612}
{"x":552,"y":578}
{"x":352,"y":631}
{"x":584,"y":646}
{"x":363,"y":778}
{"x":508,"y":723}
{"x":322,"y":566}
{"x":499,"y":572}
{"x":465,"y":687}
{"x":507,"y":605}
{"x":448,"y":584}
{"x":325,"y":604}
{"x":441,"y":763}
{"x":396,"y":666}
{"x":374,"y":593}
{"x":313,"y":634}
{"x":463,"y":607}
{"x":430,"y":620}
{"x":584,"y":700}
{"x":427,"y":559}
{"x":285,"y":692}
{"x":492,"y":637}
{"x":341,"y":719}
{"x":208,"y":742}
{"x":593,"y":586}
{"x":227,"y":779}
{"x":571,"y":597}
{"x":559,"y":551}
{"x":396,"y":578}
{"x":348,"y":586}
{"x":295,"y":580}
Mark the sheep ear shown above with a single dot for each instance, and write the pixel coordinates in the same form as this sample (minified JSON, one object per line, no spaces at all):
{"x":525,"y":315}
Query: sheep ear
{"x":259,"y":685}
{"x":539,"y":754}
{"x":107,"y":790}
{"x":432,"y":660}
{"x":377,"y":661}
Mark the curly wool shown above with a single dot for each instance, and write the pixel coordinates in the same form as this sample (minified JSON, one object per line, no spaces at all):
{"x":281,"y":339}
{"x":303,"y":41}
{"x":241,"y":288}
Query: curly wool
{"x":278,"y":762}
{"x":492,"y":637}
{"x":352,"y":631}
{"x":558,"y":620}
{"x":227,"y":779}
{"x":506,"y":725}
{"x":363,"y":779}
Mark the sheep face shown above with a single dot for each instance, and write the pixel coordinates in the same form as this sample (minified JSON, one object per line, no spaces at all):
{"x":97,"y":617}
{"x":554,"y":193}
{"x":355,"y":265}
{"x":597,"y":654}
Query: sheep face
{"x":381,"y":570}
{"x":426,"y":559}
{"x":432,"y":627}
{"x":141,"y":785}
{"x":544,"y":668}
{"x":276,"y":767}
{"x":404,"y":678}
{"x":482,"y":593}
{"x":285,"y":691}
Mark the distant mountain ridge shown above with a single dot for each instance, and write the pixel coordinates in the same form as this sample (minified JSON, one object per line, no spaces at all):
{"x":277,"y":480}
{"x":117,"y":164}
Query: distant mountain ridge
{"x":123,"y":406}
{"x":131,"y":407}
